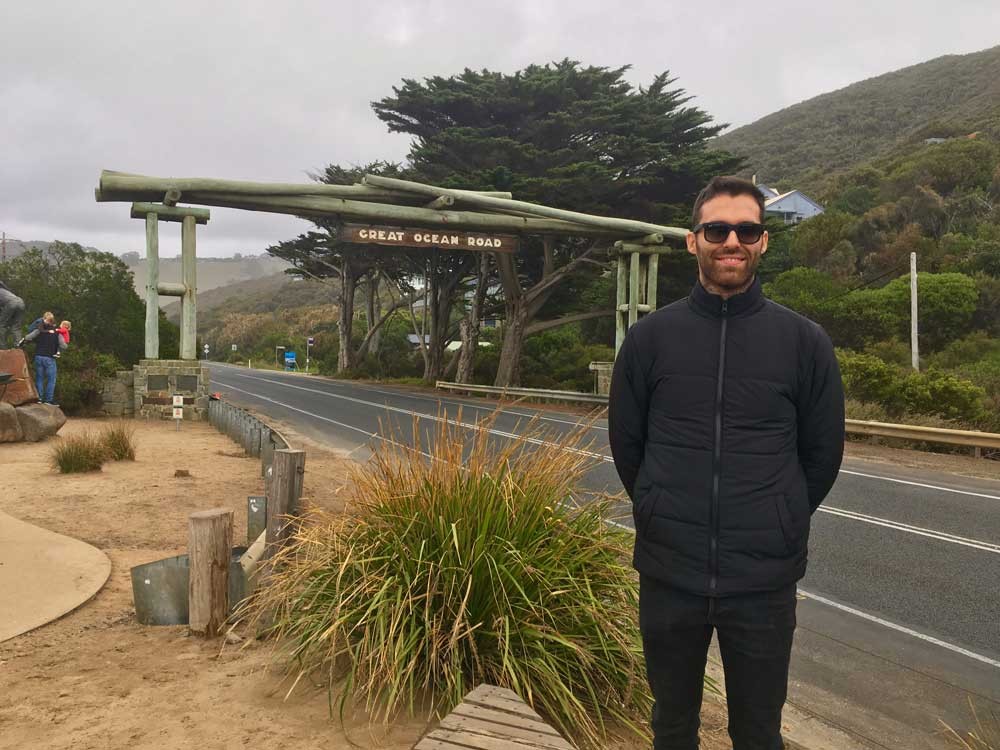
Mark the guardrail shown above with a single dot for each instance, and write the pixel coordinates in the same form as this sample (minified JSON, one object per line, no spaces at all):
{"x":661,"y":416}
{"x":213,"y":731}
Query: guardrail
{"x":593,"y":398}
{"x":940,"y":435}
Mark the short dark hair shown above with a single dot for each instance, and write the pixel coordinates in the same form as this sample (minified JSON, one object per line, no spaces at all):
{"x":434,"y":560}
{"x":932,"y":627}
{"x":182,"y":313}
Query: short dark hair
{"x":726,"y":185}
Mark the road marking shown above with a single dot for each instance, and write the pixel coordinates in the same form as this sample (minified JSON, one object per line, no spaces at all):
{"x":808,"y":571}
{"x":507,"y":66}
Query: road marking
{"x":879,"y":620}
{"x":901,"y":629}
{"x":918,"y":530}
{"x":815,"y":597}
{"x":898,"y":526}
{"x":919,"y":484}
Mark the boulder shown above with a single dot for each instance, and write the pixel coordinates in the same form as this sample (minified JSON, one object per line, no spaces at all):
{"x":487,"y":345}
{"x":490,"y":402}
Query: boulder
{"x":39,"y":421}
{"x":10,"y":427}
{"x":21,"y":390}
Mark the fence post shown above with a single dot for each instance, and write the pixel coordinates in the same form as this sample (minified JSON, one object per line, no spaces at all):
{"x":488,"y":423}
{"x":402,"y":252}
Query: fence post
{"x":256,"y":517}
{"x":210,"y":542}
{"x":285,"y":489}
{"x":266,"y":450}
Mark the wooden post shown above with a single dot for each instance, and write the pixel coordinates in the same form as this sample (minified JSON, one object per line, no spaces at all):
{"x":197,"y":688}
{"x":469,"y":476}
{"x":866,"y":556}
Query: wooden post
{"x":152,"y":281}
{"x":651,"y":280}
{"x":633,"y":290}
{"x":189,"y":277}
{"x":914,"y":344}
{"x":210,"y":542}
{"x":266,"y":451}
{"x":283,"y":496}
{"x":256,"y":517}
{"x":620,"y":301}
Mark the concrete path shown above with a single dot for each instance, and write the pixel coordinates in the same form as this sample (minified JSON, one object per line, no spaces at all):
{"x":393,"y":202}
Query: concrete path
{"x":43,"y":575}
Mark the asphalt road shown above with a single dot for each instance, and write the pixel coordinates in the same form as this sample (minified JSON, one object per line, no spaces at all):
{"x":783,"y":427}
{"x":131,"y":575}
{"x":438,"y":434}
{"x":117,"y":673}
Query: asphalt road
{"x":900,"y":624}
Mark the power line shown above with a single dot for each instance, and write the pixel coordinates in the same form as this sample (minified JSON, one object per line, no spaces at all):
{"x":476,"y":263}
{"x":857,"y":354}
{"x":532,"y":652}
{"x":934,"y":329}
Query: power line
{"x":869,"y":282}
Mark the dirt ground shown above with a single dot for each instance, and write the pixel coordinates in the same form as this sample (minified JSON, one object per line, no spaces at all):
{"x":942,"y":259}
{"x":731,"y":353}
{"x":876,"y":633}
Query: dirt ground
{"x":97,"y":679}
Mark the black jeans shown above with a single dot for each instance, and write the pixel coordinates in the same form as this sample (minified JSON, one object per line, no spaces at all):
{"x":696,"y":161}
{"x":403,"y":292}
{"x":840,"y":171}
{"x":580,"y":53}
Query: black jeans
{"x":755,"y":639}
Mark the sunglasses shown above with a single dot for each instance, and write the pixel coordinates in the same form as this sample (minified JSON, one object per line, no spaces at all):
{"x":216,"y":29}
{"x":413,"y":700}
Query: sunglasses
{"x":718,"y":231}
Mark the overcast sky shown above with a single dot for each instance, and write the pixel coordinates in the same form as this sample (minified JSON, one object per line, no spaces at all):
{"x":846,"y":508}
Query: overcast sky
{"x":265,"y":90}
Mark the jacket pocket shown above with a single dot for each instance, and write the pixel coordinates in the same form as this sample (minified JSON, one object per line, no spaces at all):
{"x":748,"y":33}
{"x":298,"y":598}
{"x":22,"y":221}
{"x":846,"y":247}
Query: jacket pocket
{"x":785,"y":522}
{"x":644,"y":511}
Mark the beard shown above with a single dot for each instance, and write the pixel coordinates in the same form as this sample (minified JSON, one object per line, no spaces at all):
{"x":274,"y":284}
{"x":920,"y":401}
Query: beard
{"x":719,"y":275}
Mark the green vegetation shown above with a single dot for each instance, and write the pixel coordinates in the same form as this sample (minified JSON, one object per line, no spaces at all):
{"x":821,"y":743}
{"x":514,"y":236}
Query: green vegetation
{"x":118,"y":440}
{"x":78,"y":453}
{"x":799,"y":146}
{"x":477,"y":565}
{"x":94,"y":290}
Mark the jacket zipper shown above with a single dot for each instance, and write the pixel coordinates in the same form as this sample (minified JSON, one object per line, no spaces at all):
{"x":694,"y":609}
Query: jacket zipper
{"x":717,"y":462}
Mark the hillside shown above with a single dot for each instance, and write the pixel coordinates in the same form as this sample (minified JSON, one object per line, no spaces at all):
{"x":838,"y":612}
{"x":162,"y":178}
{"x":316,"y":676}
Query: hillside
{"x":800,"y":145}
{"x":12,"y":248}
{"x":212,"y":272}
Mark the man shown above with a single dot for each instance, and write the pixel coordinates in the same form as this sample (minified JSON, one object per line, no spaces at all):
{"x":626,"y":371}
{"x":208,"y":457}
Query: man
{"x":48,"y":344}
{"x":726,"y":421}
{"x":11,"y":315}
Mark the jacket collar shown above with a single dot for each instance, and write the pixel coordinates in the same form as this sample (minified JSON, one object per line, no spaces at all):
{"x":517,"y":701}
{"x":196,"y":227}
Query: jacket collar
{"x":711,"y":304}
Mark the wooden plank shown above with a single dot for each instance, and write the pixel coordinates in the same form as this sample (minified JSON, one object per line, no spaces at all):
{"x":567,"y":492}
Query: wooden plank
{"x":491,"y":696}
{"x":170,"y":213}
{"x":443,"y":739}
{"x":482,"y":713}
{"x":152,"y":348}
{"x":396,"y":236}
{"x":465,"y":725}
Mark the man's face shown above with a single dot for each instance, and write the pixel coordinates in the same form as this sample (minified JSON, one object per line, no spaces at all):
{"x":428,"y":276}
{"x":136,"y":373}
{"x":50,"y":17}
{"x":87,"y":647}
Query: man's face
{"x":728,"y":267}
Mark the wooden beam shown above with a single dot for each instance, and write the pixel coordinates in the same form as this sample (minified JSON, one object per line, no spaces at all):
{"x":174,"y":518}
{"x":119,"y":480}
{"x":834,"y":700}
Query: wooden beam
{"x":152,"y":348}
{"x":442,"y":201}
{"x":171,"y":197}
{"x":621,"y":300}
{"x":633,"y":289}
{"x":621,"y":226}
{"x":288,"y":468}
{"x":651,"y":280}
{"x":170,"y":289}
{"x":210,"y":543}
{"x":169,"y":213}
{"x":189,"y":302}
{"x":627,"y":248}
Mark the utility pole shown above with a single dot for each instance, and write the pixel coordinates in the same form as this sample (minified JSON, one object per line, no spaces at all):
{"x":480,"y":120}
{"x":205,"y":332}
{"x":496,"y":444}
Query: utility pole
{"x":3,"y":248}
{"x":914,"y":345}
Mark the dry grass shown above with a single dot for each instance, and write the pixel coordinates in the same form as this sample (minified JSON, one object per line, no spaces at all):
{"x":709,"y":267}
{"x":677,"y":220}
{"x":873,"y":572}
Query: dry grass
{"x":986,"y":735}
{"x":78,"y":453}
{"x":119,"y":441}
{"x":478,"y":564}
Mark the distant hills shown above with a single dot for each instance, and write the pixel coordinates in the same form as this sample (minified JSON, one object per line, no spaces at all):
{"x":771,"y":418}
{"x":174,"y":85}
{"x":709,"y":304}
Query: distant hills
{"x":212,"y":272}
{"x":12,"y":248}
{"x":801,"y":145}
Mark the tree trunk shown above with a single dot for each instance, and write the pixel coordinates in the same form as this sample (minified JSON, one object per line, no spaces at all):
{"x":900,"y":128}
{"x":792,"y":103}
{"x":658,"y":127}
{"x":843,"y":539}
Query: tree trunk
{"x":509,"y":369}
{"x":470,"y":325}
{"x":374,"y":312}
{"x":349,"y":284}
{"x":432,"y":362}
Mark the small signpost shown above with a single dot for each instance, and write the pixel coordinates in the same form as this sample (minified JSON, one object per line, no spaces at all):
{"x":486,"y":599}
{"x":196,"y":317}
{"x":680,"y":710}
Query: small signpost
{"x":205,"y":348}
{"x":178,"y":406}
{"x":234,"y":347}
{"x":309,"y":342}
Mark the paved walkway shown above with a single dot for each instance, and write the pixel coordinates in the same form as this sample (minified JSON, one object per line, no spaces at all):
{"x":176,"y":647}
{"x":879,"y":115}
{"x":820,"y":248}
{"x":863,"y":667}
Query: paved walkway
{"x":43,"y":575}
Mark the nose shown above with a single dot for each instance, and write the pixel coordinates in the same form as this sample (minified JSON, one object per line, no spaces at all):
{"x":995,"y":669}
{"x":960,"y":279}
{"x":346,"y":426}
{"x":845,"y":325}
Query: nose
{"x":732,"y":241}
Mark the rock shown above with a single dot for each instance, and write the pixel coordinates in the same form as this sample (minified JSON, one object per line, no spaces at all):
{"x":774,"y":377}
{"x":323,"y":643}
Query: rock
{"x":182,"y":473}
{"x":21,"y":390}
{"x":39,"y":421}
{"x":10,"y":428}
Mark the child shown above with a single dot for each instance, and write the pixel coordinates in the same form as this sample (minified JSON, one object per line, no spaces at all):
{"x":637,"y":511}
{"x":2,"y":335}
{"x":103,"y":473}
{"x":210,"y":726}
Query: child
{"x":47,"y":321}
{"x":63,"y":330}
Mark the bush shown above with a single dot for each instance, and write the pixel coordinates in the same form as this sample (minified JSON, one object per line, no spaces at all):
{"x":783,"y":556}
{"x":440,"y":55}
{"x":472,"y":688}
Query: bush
{"x":78,"y":453}
{"x":80,"y":379}
{"x":474,"y":566}
{"x":119,"y":441}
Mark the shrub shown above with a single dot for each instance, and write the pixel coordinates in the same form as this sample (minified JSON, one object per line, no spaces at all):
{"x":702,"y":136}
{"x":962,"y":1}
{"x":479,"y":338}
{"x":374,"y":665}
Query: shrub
{"x":985,"y":735}
{"x":78,"y":453}
{"x":119,"y":442}
{"x":474,"y":566}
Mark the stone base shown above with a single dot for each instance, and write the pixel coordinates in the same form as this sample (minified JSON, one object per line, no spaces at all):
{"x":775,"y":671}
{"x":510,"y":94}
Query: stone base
{"x":118,"y":395}
{"x":603,"y":372}
{"x":157,"y":381}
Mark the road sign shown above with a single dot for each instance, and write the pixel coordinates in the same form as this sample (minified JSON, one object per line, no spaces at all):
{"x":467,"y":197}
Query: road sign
{"x":310,"y":341}
{"x":178,"y":412}
{"x":450,"y":239}
{"x":178,"y":401}
{"x":234,"y":347}
{"x":205,"y":348}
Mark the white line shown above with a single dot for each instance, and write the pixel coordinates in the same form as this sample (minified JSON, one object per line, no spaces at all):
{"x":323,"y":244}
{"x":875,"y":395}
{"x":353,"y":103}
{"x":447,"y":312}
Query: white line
{"x":918,"y":530}
{"x":899,"y":526}
{"x":902,"y":629}
{"x":880,"y":621}
{"x":919,"y":484}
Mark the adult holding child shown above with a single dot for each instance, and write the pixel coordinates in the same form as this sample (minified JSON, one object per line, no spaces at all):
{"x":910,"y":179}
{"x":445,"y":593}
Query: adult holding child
{"x":48,"y":344}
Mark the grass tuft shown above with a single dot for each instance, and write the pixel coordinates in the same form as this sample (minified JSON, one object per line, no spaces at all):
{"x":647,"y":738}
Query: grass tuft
{"x":78,"y":453}
{"x":119,"y":441}
{"x":985,"y":735}
{"x":481,"y":563}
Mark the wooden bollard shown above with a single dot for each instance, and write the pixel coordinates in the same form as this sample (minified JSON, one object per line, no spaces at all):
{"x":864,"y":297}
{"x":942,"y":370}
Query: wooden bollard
{"x":210,"y":542}
{"x":266,"y":451}
{"x":285,"y":489}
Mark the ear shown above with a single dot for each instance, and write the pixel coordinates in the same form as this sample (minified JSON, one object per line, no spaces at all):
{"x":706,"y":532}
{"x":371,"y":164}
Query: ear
{"x":763,"y":243}
{"x":692,"y":243}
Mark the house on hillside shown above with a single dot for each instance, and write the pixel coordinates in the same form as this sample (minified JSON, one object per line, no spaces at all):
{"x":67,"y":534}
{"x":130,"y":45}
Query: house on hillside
{"x":791,"y":207}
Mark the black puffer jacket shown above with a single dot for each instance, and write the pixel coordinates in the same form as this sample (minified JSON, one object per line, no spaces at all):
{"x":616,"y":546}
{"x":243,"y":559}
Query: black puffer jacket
{"x":726,"y":423}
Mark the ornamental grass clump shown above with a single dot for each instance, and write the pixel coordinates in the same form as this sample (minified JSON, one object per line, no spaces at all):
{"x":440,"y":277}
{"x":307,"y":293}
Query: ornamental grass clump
{"x":119,"y":441}
{"x":475,"y":561}
{"x":78,"y":453}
